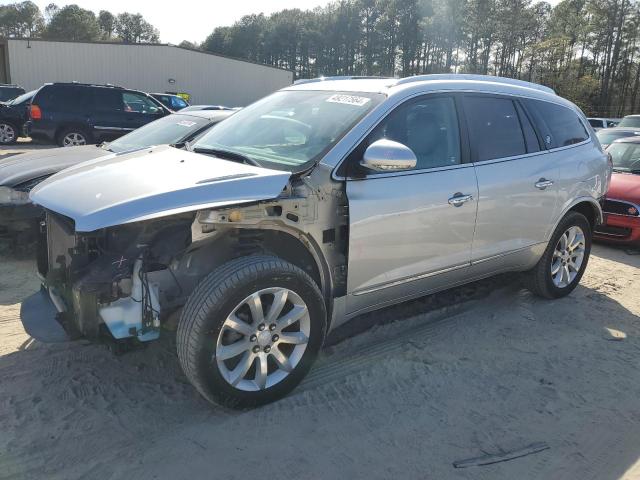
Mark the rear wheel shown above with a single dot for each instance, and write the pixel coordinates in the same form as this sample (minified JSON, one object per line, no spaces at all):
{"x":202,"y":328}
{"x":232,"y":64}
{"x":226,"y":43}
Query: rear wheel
{"x":561,"y":267}
{"x":250,"y":332}
{"x":8,"y":134}
{"x":73,"y":137}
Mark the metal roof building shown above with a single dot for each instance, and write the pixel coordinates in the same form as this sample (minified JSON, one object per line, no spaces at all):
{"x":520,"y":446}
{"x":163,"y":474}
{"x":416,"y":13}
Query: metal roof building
{"x":207,"y":78}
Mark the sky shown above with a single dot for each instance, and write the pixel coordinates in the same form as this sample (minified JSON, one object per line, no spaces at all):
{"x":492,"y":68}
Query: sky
{"x":191,"y":20}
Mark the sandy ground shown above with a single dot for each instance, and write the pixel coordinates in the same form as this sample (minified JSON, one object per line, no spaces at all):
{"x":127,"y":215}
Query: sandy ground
{"x":480,"y":370}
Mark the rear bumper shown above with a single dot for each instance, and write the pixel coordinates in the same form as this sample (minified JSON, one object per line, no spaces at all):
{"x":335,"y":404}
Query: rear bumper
{"x":621,"y":229}
{"x":41,"y":314}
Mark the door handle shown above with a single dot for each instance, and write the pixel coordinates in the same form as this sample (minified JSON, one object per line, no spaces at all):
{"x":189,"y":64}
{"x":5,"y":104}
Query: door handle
{"x":543,"y":183}
{"x":460,"y":199}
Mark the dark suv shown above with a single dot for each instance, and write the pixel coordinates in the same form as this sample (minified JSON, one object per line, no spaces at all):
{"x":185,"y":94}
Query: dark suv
{"x":71,"y":114}
{"x":13,"y":116}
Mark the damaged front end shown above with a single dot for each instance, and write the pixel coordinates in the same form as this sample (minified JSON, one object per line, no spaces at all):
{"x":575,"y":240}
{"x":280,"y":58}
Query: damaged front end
{"x":107,"y":284}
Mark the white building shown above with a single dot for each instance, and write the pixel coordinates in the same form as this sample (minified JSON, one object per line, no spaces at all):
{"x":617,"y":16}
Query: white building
{"x":207,"y":78}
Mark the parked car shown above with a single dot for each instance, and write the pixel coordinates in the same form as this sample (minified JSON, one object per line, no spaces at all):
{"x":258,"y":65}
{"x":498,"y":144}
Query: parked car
{"x":192,"y":108}
{"x":19,"y":174}
{"x":9,"y":92}
{"x":172,"y":102}
{"x":607,"y":136}
{"x":13,"y":116}
{"x":73,"y":114}
{"x":318,"y":203}
{"x":622,"y":204}
{"x":630,"y":121}
{"x":599,"y":123}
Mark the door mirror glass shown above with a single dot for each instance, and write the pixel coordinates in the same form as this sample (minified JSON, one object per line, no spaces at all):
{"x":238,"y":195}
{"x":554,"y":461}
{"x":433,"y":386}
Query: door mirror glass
{"x":388,"y":156}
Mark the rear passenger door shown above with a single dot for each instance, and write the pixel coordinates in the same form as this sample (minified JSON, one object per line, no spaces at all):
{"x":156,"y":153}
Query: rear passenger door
{"x":518,"y":193}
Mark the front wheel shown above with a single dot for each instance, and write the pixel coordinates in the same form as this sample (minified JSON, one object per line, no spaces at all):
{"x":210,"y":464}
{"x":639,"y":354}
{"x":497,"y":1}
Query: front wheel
{"x":251,"y":330}
{"x":564,"y":261}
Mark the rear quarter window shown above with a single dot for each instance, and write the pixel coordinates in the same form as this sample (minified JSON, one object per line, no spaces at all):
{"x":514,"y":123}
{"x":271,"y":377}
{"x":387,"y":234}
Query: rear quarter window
{"x":564,"y":126}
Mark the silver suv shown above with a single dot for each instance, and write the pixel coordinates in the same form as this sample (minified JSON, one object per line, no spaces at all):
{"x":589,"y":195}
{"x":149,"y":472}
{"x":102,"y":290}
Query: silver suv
{"x":323,"y":201}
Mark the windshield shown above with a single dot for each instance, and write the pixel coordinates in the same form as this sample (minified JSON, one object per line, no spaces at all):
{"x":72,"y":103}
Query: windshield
{"x":290,"y":130}
{"x":607,"y":138}
{"x":631,"y":122}
{"x":169,"y":129}
{"x":626,"y":157}
{"x":25,"y":97}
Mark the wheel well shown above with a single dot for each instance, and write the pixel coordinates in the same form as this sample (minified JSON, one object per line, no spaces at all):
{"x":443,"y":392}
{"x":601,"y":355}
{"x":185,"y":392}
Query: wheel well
{"x":588,"y":210}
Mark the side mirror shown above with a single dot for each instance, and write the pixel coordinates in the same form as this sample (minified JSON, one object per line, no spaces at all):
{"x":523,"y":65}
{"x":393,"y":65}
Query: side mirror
{"x":388,"y":156}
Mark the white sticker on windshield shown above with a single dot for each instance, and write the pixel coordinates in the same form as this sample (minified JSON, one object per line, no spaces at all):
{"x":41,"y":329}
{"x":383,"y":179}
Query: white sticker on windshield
{"x":349,"y":99}
{"x":186,"y":123}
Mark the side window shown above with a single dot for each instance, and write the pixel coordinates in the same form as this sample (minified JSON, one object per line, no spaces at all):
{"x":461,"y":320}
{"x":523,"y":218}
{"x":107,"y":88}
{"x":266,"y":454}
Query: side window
{"x":494,"y":128}
{"x":177,"y":102}
{"x":107,"y":100}
{"x":565,"y":127}
{"x":135,"y":102}
{"x":595,"y":123}
{"x":429,"y":127}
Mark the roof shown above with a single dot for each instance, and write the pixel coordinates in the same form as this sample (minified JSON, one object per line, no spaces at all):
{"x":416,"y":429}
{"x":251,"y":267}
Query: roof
{"x":461,"y":82}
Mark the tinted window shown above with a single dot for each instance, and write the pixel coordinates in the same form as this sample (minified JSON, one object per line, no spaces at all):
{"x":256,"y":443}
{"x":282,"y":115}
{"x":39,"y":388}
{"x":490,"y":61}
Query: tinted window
{"x":429,"y":127}
{"x":494,"y":128}
{"x":595,"y":123}
{"x":8,"y":93}
{"x":107,"y":100}
{"x":631,"y":122}
{"x":62,"y":98}
{"x":565,"y":128}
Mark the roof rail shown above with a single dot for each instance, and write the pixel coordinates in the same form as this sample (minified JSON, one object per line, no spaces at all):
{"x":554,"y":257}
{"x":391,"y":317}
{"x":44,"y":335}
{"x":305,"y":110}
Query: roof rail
{"x":341,"y":77}
{"x":85,"y":84}
{"x":478,"y":78}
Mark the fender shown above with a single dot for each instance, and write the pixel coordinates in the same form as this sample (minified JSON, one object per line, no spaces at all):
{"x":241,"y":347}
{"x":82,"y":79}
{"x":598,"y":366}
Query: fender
{"x":588,"y":199}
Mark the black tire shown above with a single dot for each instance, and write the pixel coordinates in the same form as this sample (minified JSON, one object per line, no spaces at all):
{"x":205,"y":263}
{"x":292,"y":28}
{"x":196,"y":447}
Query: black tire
{"x":539,"y":280}
{"x":6,"y":127}
{"x":73,"y":131}
{"x":215,"y":298}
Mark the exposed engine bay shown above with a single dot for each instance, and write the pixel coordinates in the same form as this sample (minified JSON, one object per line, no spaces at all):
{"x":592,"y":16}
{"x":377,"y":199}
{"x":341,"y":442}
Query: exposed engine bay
{"x":123,"y":282}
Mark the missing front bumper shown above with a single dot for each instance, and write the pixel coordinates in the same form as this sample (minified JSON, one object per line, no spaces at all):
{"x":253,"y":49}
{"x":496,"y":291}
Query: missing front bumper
{"x":41,"y":318}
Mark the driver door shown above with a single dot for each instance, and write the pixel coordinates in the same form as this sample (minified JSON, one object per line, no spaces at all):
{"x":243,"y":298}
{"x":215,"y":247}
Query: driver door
{"x":408,"y":233}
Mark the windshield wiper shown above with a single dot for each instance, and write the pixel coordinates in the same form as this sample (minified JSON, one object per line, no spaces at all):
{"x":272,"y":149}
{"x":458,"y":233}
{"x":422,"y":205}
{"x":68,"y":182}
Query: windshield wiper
{"x":227,"y":155}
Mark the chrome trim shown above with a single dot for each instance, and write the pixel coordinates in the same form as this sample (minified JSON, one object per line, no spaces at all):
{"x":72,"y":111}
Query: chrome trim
{"x":543,"y":184}
{"x":504,"y":254}
{"x":119,"y":129}
{"x":413,"y":278}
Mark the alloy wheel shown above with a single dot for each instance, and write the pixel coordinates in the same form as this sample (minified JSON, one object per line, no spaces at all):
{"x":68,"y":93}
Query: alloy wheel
{"x":568,"y":257}
{"x":74,"y":139}
{"x":7,"y":133}
{"x":263,"y":339}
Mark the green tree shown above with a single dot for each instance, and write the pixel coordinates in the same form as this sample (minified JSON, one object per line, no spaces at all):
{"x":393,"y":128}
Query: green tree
{"x":133,"y":28}
{"x":73,"y":23}
{"x":107,"y":23}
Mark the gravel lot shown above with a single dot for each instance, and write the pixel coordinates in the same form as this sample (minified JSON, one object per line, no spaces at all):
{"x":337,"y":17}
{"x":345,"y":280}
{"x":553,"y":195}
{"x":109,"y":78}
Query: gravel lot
{"x":483,"y":369}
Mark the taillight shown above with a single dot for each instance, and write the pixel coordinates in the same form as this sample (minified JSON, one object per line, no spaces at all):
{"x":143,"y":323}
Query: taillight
{"x":35,"y":113}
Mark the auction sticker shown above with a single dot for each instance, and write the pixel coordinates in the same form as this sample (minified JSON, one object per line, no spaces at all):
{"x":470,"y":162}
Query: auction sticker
{"x":348,"y":99}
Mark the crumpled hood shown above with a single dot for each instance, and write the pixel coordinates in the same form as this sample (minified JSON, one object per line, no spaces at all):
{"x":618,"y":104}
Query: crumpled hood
{"x":152,"y":183}
{"x":625,"y":186}
{"x":23,"y":167}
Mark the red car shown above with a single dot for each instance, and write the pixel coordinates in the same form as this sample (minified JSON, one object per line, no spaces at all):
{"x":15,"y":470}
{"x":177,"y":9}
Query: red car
{"x":622,"y":203}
